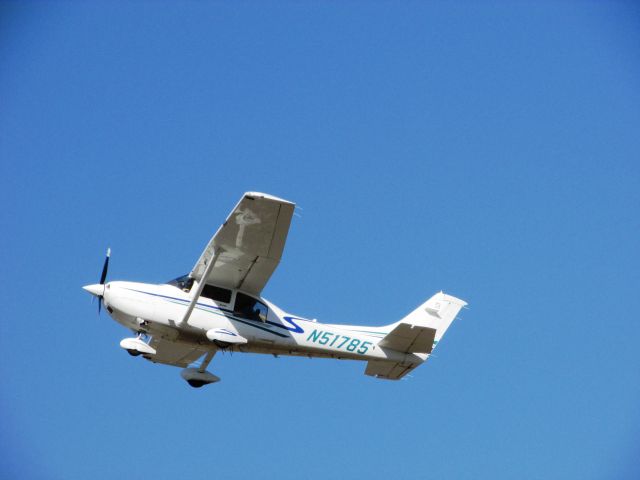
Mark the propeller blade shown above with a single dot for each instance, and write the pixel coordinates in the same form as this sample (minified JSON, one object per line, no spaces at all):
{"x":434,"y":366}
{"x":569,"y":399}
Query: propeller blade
{"x":105,"y":268}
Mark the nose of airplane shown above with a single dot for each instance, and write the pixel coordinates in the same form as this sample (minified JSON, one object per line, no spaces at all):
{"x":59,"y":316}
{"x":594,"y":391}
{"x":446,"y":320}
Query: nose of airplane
{"x":96,"y":289}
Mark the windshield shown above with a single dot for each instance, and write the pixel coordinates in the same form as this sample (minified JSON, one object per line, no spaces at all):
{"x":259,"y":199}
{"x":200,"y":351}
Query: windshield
{"x":184,"y":283}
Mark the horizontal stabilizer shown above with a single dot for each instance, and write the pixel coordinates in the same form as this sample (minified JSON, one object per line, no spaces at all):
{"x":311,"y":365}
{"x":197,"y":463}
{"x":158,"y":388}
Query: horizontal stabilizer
{"x":408,"y":338}
{"x":174,"y":353}
{"x":388,"y":370}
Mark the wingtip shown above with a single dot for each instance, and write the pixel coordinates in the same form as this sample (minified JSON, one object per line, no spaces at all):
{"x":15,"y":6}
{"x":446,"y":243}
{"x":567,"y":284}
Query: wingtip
{"x":451,"y":298}
{"x":267,"y":196}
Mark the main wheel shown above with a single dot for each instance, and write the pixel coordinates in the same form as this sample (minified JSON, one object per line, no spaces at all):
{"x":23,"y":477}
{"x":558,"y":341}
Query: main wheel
{"x":133,"y":353}
{"x":196,"y":383}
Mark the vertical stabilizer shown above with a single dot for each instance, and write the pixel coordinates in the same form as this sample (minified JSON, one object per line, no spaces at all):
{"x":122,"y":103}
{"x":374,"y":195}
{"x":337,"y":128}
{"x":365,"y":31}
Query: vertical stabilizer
{"x":437,"y":313}
{"x":418,"y":333}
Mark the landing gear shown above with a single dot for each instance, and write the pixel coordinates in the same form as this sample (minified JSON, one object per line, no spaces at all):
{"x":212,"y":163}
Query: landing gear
{"x":199,"y":377}
{"x":136,"y":346}
{"x":196,"y":383}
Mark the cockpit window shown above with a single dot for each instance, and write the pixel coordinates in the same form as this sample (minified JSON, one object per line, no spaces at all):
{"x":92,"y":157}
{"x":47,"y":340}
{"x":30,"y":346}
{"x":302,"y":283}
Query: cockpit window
{"x":184,"y":283}
{"x":249,"y":307}
{"x":217,"y":294}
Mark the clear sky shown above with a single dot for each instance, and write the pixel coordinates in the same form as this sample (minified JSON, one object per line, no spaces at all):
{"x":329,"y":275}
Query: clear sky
{"x":487,"y":149}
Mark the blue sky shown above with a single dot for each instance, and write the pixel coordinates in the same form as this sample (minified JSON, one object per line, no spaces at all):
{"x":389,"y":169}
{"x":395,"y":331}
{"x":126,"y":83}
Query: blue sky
{"x":487,"y":149}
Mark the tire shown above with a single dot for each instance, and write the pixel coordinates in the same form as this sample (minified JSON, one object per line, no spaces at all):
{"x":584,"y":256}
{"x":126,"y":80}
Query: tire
{"x":196,"y":383}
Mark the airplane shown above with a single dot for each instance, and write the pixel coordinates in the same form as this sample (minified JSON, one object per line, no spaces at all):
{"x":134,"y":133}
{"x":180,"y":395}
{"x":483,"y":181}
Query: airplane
{"x":218,"y":307}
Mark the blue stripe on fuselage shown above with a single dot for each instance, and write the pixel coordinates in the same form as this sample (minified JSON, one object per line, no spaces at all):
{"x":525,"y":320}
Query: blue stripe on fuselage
{"x":226,"y":312}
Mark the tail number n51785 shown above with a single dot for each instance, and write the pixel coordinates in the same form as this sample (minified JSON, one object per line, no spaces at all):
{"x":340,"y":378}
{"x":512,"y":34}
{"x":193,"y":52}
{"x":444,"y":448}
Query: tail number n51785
{"x":335,"y":340}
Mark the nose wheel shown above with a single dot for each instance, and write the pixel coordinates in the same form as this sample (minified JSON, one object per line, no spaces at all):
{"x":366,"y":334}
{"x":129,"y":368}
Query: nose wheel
{"x":136,"y":346}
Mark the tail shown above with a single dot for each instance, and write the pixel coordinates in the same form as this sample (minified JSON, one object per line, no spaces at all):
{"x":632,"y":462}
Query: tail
{"x":437,"y":313}
{"x":419,"y":333}
{"x":422,"y":329}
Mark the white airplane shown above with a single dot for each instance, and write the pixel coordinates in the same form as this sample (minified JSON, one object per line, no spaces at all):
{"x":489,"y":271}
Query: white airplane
{"x":218,"y":306}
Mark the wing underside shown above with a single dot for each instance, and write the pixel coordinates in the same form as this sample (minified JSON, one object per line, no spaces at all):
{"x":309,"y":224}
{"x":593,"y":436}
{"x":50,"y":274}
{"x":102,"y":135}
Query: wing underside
{"x":250,"y":244}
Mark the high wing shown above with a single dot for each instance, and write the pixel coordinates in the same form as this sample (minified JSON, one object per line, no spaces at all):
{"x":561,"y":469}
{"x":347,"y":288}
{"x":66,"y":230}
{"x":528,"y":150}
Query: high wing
{"x":249,"y":244}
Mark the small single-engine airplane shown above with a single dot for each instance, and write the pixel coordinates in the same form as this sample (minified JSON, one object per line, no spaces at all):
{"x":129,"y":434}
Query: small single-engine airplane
{"x":218,"y":306}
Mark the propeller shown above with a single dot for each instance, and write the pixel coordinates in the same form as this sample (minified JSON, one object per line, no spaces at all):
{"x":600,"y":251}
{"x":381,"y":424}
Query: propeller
{"x":105,"y":267}
{"x":97,"y":290}
{"x":103,"y":277}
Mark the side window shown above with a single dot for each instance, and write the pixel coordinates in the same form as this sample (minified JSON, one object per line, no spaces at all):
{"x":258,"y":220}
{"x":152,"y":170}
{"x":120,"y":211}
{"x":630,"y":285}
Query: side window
{"x":216,"y":294}
{"x":249,"y":307}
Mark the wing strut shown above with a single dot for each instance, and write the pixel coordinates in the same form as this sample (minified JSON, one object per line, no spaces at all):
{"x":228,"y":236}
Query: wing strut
{"x":207,"y":360}
{"x":201,"y":284}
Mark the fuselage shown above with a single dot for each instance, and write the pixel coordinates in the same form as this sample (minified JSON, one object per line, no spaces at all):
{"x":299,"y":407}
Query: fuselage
{"x":157,"y":309}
